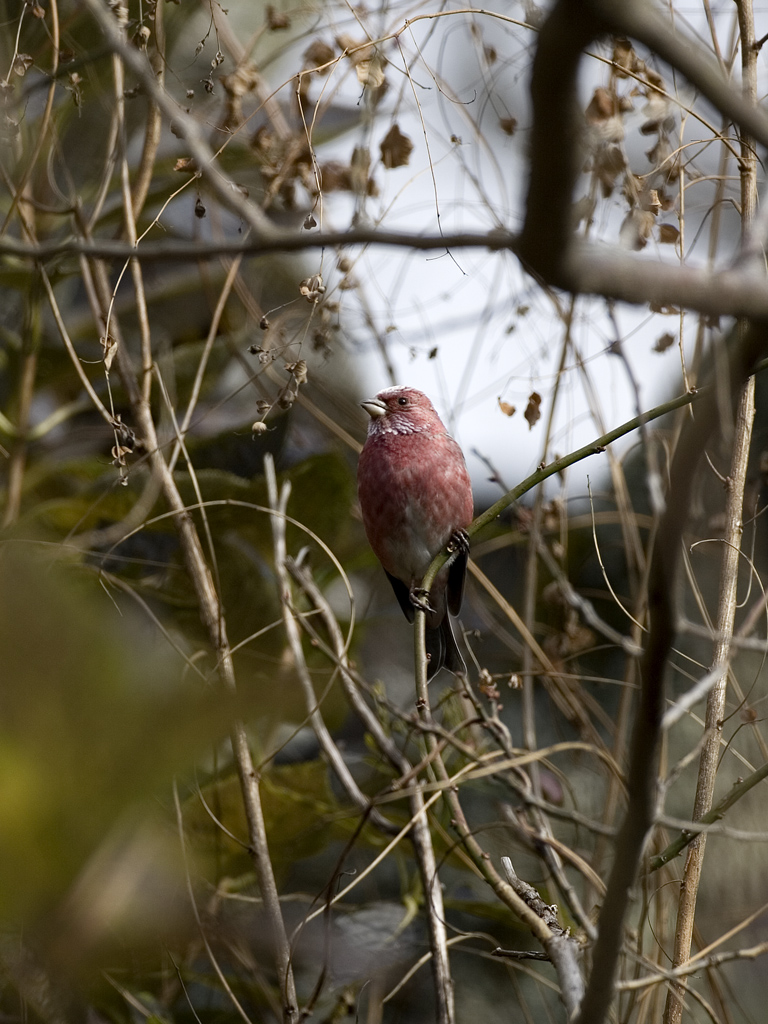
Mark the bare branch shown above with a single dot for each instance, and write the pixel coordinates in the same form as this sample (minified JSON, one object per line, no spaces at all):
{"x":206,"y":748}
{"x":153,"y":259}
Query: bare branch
{"x":643,"y":768}
{"x":562,"y":949}
{"x":734,"y":528}
{"x":702,"y":964}
{"x":278,"y":503}
{"x":740,"y":789}
{"x":225,"y":190}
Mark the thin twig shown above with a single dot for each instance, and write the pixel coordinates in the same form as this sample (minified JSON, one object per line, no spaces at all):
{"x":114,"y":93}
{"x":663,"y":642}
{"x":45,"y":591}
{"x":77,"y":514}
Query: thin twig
{"x":714,"y":684}
{"x":716,"y":813}
{"x":278,"y":502}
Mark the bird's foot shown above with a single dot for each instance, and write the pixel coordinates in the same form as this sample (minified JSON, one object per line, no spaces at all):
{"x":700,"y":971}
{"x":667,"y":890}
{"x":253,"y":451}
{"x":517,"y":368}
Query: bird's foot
{"x":420,"y":599}
{"x":459,"y":542}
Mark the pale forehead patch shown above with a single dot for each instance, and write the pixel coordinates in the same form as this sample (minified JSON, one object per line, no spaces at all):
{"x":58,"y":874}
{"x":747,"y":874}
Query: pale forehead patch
{"x":398,"y":389}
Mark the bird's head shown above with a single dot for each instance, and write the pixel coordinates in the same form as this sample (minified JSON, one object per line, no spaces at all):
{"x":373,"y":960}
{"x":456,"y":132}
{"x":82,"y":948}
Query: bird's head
{"x":402,"y":410}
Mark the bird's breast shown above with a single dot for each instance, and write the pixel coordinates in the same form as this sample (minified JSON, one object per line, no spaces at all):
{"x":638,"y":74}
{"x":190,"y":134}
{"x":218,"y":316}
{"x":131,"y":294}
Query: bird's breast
{"x":414,"y":493}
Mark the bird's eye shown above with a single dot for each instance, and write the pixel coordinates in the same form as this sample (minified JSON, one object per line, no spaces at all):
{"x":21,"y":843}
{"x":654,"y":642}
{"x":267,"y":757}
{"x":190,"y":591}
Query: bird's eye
{"x":402,"y":400}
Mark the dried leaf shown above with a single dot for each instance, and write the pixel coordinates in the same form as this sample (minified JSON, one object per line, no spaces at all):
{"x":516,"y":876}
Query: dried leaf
{"x":506,"y":408}
{"x":119,"y":451}
{"x":335,"y":177}
{"x":396,"y":148}
{"x":321,"y":339}
{"x":601,"y":106}
{"x":636,"y":229}
{"x":298,"y":371}
{"x":490,"y":53}
{"x":185,"y":163}
{"x":109,"y":345}
{"x":276,"y":20}
{"x":243,"y":80}
{"x":579,"y":638}
{"x":664,"y":342}
{"x":367,"y":62}
{"x":199,"y":208}
{"x":658,"y":115}
{"x":312,"y":288}
{"x":487,"y":685}
{"x":668,"y":234}
{"x":603,"y":115}
{"x":533,"y":409}
{"x":22,"y":62}
{"x":508,"y":125}
{"x":309,"y":222}
{"x":356,"y":51}
{"x":318,"y":56}
{"x":623,"y":57}
{"x":123,"y":433}
{"x":609,"y":162}
{"x":370,"y":73}
{"x":287,"y":396}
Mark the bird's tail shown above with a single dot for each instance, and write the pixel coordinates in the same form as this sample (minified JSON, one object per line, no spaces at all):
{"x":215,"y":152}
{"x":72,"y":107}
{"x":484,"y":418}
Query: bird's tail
{"x":443,"y":650}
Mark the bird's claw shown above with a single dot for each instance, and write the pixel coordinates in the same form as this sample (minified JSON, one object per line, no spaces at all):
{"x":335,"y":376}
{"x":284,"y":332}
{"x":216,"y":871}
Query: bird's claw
{"x":458,"y":542}
{"x":420,"y":599}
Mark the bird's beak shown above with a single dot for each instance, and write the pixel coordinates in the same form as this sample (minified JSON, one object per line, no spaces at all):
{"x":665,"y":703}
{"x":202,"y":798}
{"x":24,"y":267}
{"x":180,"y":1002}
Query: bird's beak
{"x":374,"y":407}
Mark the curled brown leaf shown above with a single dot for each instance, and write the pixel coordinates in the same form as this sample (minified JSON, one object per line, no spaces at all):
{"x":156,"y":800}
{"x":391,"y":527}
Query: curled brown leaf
{"x":395,"y":148}
{"x":533,"y":409}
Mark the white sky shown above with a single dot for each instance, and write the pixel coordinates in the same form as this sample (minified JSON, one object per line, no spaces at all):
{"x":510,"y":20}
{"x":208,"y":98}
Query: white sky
{"x":495,"y":332}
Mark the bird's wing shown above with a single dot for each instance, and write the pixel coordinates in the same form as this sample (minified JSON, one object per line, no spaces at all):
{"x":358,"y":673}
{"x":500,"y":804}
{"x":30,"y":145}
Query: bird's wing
{"x":457,"y":573}
{"x":452,"y":658}
{"x":403,"y":595}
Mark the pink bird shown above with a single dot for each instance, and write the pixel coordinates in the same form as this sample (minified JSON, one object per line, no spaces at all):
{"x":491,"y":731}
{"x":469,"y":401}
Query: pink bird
{"x":416,"y":496}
